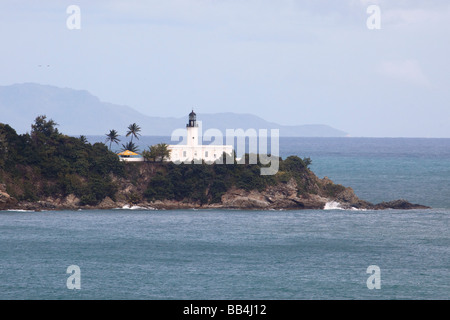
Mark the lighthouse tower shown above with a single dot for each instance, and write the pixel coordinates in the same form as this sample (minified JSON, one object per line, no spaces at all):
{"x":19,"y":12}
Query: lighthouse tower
{"x":192,"y":130}
{"x":194,"y":149}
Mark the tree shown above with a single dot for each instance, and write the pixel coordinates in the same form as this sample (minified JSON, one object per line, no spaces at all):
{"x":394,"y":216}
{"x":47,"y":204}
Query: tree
{"x":294,"y":163}
{"x":3,"y":147}
{"x":83,"y":139}
{"x":146,"y":155}
{"x":130,"y":146}
{"x":42,"y":130}
{"x":112,"y":136}
{"x":156,"y":152}
{"x":150,"y":154}
{"x":162,"y":151}
{"x":133,"y":130}
{"x":307,"y":161}
{"x":3,"y":142}
{"x":160,"y":187}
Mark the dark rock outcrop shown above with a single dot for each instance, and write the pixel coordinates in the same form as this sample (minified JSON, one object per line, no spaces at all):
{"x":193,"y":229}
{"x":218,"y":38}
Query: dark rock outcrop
{"x":282,"y":196}
{"x":6,"y":201}
{"x":398,"y":204}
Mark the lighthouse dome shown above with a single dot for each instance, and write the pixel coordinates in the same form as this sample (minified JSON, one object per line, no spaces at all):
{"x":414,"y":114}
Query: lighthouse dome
{"x":192,"y":119}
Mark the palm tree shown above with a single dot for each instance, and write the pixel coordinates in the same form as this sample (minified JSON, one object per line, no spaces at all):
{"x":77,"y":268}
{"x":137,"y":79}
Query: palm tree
{"x":163,"y":151}
{"x":133,"y":130}
{"x":158,"y":152}
{"x":130,"y":146}
{"x":150,"y":154}
{"x":112,"y":136}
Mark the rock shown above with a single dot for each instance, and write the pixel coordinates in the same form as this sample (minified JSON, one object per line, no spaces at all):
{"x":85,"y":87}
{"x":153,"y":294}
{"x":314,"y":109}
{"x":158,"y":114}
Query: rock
{"x":398,"y":204}
{"x":310,"y":193}
{"x":281,"y":196}
{"x":246,"y":203}
{"x":347,"y":196}
{"x":71,"y":202}
{"x":238,"y":198}
{"x":107,"y":203}
{"x":6,"y":201}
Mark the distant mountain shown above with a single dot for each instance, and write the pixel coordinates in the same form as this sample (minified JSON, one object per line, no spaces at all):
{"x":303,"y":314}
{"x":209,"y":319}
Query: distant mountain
{"x":79,"y":112}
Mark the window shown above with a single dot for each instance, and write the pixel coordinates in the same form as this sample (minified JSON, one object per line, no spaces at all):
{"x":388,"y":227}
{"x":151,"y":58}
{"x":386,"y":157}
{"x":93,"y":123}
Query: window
{"x":206,"y":154}
{"x":184,"y":154}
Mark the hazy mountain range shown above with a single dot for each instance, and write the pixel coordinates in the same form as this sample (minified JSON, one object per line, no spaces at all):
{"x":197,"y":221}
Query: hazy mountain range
{"x":78,"y":112}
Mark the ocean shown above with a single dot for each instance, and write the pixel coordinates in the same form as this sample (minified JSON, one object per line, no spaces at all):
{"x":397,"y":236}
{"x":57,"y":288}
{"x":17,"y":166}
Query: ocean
{"x":252,"y":255}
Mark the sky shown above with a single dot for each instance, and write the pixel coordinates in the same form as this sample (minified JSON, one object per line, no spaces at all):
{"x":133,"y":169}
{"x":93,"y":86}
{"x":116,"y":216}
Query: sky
{"x":288,"y":61}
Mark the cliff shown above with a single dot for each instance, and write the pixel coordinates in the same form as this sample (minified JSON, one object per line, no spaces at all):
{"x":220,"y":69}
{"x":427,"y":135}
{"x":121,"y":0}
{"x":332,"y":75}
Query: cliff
{"x":281,"y":196}
{"x":6,"y":201}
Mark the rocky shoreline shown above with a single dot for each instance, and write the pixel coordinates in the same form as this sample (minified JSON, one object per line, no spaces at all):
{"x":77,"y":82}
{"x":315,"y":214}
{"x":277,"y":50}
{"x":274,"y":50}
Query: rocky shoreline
{"x":47,"y":170}
{"x":279,"y":197}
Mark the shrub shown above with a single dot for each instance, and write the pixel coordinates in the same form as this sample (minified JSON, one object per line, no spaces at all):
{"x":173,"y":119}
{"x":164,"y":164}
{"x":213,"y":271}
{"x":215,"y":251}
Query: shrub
{"x":159,"y":188}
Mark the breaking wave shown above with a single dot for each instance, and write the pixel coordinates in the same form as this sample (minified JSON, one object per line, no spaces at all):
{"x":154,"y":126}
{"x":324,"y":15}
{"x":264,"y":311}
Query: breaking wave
{"x":128,"y":207}
{"x":333,"y":205}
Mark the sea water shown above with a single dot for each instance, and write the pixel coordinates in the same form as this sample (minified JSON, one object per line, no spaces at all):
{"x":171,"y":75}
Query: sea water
{"x":235,"y":254}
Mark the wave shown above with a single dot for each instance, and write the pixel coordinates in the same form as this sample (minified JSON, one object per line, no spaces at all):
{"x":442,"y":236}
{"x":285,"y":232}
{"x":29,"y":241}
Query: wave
{"x":128,"y":207}
{"x":334,"y":205}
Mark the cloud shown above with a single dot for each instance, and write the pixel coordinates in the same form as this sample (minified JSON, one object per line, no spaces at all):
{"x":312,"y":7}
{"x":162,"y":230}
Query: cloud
{"x":408,"y":71}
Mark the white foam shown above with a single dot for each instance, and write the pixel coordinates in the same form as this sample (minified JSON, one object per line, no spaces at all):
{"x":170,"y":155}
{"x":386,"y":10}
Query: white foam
{"x":131,"y":207}
{"x":128,"y":207}
{"x":20,"y":210}
{"x":333,"y":205}
{"x":356,"y":209}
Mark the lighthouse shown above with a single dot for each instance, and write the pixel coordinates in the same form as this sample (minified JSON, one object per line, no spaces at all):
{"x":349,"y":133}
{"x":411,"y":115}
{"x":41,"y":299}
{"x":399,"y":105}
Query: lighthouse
{"x":192,"y":130}
{"x":194,"y":149}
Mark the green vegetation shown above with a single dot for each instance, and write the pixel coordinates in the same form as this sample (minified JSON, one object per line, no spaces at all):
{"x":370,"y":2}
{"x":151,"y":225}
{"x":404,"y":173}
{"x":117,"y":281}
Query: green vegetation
{"x":129,"y":146}
{"x":112,"y":137}
{"x":206,"y":183}
{"x":133,"y":131}
{"x":159,"y":152}
{"x":47,"y":163}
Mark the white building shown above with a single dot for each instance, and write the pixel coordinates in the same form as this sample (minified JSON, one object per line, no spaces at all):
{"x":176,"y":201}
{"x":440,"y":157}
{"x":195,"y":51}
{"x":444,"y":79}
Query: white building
{"x":194,"y":149}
